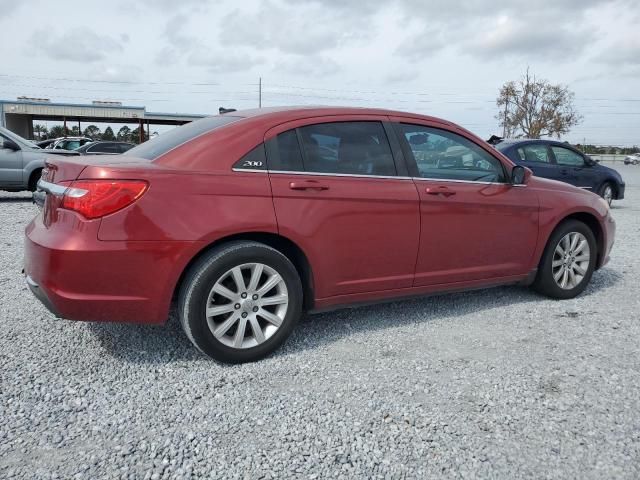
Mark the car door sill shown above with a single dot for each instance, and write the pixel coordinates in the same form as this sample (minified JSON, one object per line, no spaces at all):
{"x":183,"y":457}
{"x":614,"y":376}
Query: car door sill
{"x":387,"y":296}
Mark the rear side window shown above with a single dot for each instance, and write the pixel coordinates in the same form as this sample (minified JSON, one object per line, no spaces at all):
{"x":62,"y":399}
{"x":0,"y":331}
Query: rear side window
{"x":355,"y":148}
{"x":254,"y":160}
{"x":160,"y":145}
{"x":104,"y":148}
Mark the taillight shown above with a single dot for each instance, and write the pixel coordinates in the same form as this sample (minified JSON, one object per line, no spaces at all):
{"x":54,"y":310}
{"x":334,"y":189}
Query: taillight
{"x":97,"y":198}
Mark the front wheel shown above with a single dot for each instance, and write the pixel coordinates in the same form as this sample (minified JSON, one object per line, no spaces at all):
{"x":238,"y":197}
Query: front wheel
{"x":568,"y":261}
{"x":240,"y":301}
{"x":606,"y":192}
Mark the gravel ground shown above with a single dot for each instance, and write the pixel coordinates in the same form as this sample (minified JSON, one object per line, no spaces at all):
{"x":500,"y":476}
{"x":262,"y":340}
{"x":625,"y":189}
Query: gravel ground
{"x":500,"y":383}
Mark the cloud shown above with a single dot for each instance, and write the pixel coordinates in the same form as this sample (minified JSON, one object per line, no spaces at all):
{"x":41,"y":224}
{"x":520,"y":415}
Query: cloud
{"x":625,"y":52}
{"x":223,"y":61}
{"x":308,"y":66}
{"x":514,"y":37}
{"x":300,"y":28}
{"x":7,"y":7}
{"x":500,"y":28}
{"x":182,"y":47}
{"x":79,"y":44}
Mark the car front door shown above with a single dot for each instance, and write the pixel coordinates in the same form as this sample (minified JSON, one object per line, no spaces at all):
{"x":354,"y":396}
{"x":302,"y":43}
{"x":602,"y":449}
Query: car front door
{"x":538,"y":158}
{"x":11,"y":167}
{"x":573,"y":168}
{"x":341,"y":193}
{"x":475,"y":225}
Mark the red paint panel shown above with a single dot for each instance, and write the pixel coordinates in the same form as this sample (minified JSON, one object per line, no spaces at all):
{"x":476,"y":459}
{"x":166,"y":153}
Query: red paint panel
{"x":360,"y":235}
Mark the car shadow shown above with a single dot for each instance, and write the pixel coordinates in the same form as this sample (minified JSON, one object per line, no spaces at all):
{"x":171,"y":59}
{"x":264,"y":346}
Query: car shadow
{"x":166,"y":344}
{"x":16,"y":200}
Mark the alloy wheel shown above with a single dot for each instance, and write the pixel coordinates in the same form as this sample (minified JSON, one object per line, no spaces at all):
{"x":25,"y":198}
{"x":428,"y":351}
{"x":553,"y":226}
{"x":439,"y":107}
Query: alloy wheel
{"x":570,"y":261}
{"x":247,"y":305}
{"x":607,"y":194}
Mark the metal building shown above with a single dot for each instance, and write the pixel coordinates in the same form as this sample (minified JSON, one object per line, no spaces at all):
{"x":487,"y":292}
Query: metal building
{"x":19,"y":115}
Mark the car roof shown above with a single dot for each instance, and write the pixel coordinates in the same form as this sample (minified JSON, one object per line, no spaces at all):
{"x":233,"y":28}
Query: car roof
{"x":513,"y":141}
{"x":295,"y":112}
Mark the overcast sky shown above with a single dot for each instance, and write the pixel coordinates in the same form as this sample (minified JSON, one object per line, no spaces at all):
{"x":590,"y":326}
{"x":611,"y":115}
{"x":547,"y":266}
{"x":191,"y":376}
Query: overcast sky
{"x":438,"y":57}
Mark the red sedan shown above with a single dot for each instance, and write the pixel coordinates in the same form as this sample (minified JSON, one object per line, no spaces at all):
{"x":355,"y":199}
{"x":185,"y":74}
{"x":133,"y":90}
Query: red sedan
{"x":250,"y":218}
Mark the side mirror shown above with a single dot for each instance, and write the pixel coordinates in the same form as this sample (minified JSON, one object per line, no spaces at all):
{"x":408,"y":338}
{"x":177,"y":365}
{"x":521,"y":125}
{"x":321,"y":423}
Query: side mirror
{"x":10,"y":145}
{"x":520,"y":175}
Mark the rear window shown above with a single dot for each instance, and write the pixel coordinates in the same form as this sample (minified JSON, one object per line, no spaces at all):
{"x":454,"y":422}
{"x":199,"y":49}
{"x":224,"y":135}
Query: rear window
{"x":160,"y":145}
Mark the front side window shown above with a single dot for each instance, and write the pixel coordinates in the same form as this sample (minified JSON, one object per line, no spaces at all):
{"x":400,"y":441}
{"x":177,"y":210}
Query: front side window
{"x":564,"y":156}
{"x":440,"y":154}
{"x":534,"y":153}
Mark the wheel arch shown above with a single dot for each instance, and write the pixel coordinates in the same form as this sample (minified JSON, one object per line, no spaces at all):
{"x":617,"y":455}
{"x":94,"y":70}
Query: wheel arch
{"x":32,"y":176}
{"x":592,"y":222}
{"x":284,"y":245}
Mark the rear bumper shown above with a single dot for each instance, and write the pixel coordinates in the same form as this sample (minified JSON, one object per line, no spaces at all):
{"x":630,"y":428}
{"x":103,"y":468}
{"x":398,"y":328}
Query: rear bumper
{"x":620,"y":191}
{"x":78,"y":277}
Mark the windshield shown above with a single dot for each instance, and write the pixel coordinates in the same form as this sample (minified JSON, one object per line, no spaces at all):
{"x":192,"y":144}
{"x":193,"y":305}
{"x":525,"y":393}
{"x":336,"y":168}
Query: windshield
{"x":161,"y":144}
{"x":22,"y":142}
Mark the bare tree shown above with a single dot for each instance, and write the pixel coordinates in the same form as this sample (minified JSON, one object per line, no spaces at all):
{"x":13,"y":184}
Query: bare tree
{"x":535,"y":108}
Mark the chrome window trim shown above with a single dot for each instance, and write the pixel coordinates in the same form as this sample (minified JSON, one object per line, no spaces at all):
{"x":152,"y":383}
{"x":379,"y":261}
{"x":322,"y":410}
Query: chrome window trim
{"x":348,"y":175}
{"x":460,"y":181}
{"x":354,"y":175}
{"x":250,"y":170}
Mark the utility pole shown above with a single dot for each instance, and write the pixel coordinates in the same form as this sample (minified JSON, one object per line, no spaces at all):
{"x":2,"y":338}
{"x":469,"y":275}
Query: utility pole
{"x":260,"y":92}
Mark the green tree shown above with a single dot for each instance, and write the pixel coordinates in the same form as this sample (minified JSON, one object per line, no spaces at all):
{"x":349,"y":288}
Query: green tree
{"x":108,"y":134}
{"x":535,"y":108}
{"x":135,"y":135}
{"x":124,"y":134}
{"x":92,"y":132}
{"x":41,"y":131}
{"x":57,"y":131}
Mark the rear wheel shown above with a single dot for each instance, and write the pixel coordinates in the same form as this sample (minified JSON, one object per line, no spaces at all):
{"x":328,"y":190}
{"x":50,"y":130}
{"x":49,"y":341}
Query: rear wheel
{"x":606,"y":192}
{"x":240,"y":302}
{"x":33,"y":179}
{"x":568,"y":261}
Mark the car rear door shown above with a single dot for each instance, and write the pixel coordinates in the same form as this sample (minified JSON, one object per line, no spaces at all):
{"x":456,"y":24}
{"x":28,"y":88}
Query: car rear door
{"x":341,"y":192}
{"x":475,"y":225}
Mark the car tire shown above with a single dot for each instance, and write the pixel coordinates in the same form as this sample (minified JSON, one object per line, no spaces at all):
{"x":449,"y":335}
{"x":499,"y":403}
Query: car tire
{"x":607,"y":191}
{"x":227,"y":314}
{"x":551,"y":269}
{"x":33,"y":180}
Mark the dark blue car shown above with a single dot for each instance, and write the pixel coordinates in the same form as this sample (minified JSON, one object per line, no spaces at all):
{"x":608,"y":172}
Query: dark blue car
{"x":560,"y":161}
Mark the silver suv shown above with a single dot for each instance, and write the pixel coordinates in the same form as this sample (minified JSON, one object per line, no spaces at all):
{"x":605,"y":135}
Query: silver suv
{"x":21,"y":162}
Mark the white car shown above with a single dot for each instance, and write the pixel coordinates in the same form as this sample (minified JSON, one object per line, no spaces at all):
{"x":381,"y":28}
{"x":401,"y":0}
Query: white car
{"x":633,"y":159}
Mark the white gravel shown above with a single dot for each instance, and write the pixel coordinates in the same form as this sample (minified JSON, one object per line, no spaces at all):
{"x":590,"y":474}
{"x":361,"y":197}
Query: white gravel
{"x":500,"y":383}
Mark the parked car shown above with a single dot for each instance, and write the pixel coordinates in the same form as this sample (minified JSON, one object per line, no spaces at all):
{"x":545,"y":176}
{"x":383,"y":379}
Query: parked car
{"x":246,"y":221}
{"x":633,"y":159}
{"x":21,"y":162}
{"x":104,"y":148}
{"x":45,"y":143}
{"x":560,"y":161}
{"x":68,"y":143}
